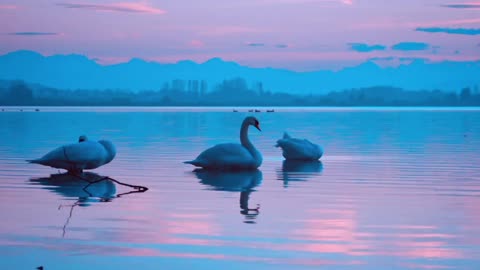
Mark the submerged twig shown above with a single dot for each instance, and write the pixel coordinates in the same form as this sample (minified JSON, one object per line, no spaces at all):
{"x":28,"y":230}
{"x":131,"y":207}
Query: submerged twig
{"x":138,"y":189}
{"x":69,"y":216}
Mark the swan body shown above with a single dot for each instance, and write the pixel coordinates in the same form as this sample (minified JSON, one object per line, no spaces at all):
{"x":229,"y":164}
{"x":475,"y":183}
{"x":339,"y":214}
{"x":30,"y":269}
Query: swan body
{"x":298,"y":149}
{"x":76,"y":157}
{"x":232,"y":156}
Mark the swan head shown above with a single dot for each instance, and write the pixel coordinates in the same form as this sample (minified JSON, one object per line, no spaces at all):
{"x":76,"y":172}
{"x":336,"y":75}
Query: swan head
{"x":253,"y":122}
{"x":110,"y":148}
{"x":82,"y":138}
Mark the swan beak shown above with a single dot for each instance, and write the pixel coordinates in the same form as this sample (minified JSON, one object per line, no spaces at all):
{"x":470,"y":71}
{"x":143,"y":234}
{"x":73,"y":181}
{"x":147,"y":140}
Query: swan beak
{"x":258,"y":127}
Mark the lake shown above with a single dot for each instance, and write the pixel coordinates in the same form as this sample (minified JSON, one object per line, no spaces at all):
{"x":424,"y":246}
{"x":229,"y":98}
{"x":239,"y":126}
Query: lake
{"x":395,"y":189}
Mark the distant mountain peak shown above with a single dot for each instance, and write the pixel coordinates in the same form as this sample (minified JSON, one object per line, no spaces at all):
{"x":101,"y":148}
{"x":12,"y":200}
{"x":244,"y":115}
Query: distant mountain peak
{"x":369,"y":64}
{"x":77,"y":71}
{"x":214,"y":60}
{"x":186,"y":62}
{"x":70,"y":57}
{"x":217,"y":61}
{"x":137,"y":60}
{"x":23,"y":53}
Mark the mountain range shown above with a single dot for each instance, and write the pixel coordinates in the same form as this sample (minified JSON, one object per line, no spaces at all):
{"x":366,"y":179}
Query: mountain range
{"x":79,"y":72}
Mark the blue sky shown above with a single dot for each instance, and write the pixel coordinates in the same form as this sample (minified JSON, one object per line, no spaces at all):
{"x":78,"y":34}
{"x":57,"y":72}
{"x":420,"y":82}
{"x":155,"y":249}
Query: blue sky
{"x":293,"y":34}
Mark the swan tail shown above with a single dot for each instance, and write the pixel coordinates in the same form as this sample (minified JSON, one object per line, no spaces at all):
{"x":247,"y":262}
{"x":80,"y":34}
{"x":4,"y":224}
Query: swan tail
{"x":34,"y":161}
{"x":281,"y":143}
{"x":39,"y":161}
{"x":193,"y":162}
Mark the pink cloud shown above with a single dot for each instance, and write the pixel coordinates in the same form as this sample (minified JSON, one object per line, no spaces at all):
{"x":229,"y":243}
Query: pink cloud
{"x":469,"y":5}
{"x":228,"y":30}
{"x":391,"y":24}
{"x":428,"y":250}
{"x":426,"y":266}
{"x":452,"y":22}
{"x":345,"y":2}
{"x":141,"y":7}
{"x":8,"y":7}
{"x":196,"y":43}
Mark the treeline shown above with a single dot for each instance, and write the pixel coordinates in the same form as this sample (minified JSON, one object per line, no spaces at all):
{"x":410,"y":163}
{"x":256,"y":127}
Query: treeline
{"x":234,"y":92}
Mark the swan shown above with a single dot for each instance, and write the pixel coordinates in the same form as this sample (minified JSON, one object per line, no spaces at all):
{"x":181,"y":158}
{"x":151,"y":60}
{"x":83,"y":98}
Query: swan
{"x":298,"y":149}
{"x":232,"y":156}
{"x":76,"y":157}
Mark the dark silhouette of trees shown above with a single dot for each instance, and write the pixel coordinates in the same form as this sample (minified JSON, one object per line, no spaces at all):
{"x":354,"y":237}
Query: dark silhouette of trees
{"x":230,"y":92}
{"x":465,"y":94}
{"x":17,"y":93}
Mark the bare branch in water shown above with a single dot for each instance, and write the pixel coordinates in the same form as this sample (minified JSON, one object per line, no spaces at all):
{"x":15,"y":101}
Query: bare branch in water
{"x":138,"y":189}
{"x":69,"y":215}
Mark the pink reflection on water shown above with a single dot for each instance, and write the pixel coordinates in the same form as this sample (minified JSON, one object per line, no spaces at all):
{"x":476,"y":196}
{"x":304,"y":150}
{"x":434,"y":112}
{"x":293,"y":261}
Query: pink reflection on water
{"x":348,"y":249}
{"x":430,"y":250}
{"x":332,"y":235}
{"x":424,"y":235}
{"x":406,"y":227}
{"x":144,"y":252}
{"x":426,"y":266}
{"x":338,"y":231}
{"x":193,"y":241}
{"x":80,"y":249}
{"x":192,"y":224}
{"x":270,"y":260}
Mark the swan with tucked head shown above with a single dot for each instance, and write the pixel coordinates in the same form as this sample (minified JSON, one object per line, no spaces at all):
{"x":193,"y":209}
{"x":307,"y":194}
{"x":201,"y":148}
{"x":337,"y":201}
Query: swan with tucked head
{"x":76,"y":157}
{"x":299,"y":149}
{"x":232,"y":156}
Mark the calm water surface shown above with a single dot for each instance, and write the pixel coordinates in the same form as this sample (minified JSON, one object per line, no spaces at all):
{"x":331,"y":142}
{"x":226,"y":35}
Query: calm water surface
{"x":396,"y":189}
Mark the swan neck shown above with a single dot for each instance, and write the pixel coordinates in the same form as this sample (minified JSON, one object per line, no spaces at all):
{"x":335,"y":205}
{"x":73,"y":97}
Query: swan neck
{"x":257,"y":157}
{"x":244,"y":137}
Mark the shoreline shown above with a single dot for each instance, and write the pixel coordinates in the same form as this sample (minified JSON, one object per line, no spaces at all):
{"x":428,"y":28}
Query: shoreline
{"x":233,"y":109}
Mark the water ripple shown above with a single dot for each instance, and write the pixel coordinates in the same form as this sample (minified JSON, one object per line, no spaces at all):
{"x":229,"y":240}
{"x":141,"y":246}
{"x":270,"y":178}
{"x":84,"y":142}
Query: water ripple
{"x":396,"y":189}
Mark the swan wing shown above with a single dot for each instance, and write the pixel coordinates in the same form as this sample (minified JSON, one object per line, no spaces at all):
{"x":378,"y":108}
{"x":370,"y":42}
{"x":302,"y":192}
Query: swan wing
{"x":89,"y":154}
{"x":84,"y":155}
{"x":55,"y":158}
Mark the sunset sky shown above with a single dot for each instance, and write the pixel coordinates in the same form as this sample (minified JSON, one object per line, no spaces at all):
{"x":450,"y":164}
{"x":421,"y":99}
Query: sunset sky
{"x":293,"y":34}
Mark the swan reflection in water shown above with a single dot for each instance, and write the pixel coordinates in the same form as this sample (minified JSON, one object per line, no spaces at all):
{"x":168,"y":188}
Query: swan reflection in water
{"x":234,"y":181}
{"x":296,"y":170}
{"x":86,"y":188}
